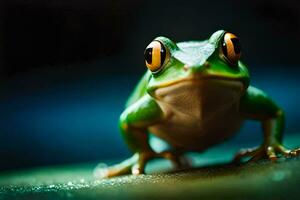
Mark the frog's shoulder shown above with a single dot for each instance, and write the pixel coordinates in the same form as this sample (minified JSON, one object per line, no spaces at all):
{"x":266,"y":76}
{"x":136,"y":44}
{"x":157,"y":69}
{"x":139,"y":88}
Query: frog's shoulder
{"x":140,"y":90}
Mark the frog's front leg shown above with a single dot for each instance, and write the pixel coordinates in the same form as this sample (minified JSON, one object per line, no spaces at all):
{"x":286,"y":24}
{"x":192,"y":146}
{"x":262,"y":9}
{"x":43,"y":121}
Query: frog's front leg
{"x":134,"y":123}
{"x":256,"y":105}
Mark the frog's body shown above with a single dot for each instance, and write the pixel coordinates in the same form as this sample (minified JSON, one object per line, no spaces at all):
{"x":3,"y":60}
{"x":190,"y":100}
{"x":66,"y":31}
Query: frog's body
{"x":192,"y":117}
{"x":194,"y":95}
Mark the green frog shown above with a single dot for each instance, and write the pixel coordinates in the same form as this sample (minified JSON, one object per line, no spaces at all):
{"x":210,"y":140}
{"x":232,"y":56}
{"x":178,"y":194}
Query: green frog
{"x":194,"y":95}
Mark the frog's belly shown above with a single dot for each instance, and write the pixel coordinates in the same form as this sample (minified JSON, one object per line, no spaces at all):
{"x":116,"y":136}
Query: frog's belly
{"x":198,"y":115}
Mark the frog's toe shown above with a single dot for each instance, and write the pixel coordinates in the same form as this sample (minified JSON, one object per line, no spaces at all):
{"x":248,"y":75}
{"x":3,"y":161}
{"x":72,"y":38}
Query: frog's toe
{"x":295,"y":152}
{"x":244,"y":153}
{"x":260,"y":153}
{"x":138,"y":169}
{"x":271,"y":153}
{"x":123,"y":168}
{"x":116,"y":170}
{"x":287,"y":152}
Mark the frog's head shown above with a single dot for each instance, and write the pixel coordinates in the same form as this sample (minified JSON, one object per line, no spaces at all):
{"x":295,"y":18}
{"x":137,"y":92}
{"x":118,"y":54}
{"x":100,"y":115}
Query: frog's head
{"x":200,"y":61}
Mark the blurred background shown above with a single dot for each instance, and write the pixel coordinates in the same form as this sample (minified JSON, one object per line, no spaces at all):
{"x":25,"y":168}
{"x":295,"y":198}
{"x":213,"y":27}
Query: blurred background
{"x":67,"y":68}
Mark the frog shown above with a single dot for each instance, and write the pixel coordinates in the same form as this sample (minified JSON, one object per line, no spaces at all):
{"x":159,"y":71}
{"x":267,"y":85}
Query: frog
{"x":194,"y":95}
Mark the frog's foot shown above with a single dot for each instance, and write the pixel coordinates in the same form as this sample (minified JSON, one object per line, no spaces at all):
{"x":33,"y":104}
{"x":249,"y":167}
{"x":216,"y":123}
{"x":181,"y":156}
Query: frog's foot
{"x":272,"y":152}
{"x":177,"y":159}
{"x":123,"y":168}
{"x":137,"y":163}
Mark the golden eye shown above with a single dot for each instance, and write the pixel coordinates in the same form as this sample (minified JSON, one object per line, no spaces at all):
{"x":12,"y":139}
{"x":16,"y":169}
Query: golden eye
{"x":155,"y":56}
{"x":231,"y":48}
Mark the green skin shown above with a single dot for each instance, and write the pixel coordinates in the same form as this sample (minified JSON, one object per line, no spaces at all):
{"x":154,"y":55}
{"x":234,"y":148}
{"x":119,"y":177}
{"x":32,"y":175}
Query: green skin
{"x":144,"y":111}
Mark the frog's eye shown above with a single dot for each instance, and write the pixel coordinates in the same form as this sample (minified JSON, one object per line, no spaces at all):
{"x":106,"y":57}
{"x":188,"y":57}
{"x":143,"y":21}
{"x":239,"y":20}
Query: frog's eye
{"x":155,"y":56}
{"x":231,"y":48}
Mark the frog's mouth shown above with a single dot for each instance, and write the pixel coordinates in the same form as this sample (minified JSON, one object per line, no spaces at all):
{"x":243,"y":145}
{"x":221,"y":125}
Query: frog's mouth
{"x":203,"y":86}
{"x":202,"y":79}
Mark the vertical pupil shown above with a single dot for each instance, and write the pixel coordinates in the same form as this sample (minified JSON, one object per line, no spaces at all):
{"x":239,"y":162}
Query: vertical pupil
{"x":148,"y":55}
{"x":236,"y":45}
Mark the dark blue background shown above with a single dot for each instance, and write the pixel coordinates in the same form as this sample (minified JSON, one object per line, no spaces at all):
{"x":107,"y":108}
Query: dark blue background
{"x":68,"y":68}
